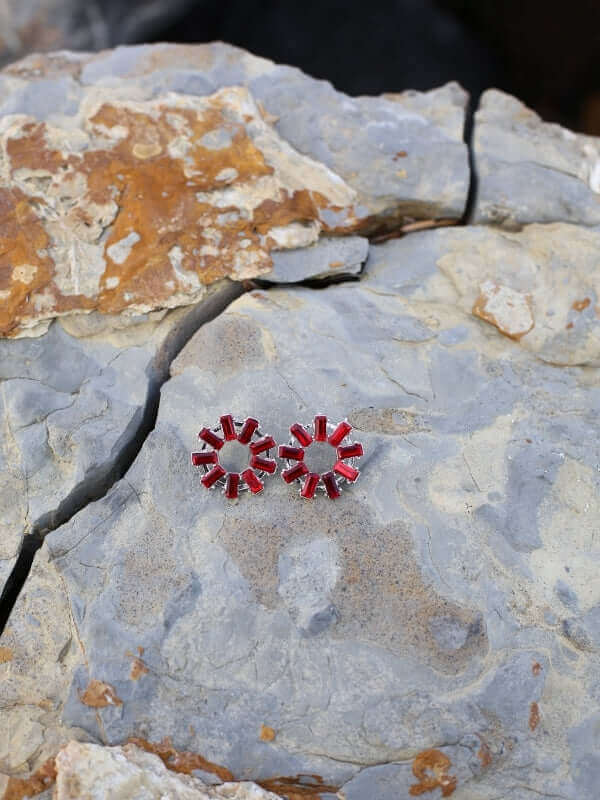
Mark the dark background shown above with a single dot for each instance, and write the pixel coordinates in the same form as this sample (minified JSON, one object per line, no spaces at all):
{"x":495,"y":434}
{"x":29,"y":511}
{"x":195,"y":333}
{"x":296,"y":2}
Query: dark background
{"x":546,"y":53}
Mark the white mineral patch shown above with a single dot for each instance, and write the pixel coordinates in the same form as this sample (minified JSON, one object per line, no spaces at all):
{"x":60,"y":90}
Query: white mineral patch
{"x":187,"y":278}
{"x":120,"y":251}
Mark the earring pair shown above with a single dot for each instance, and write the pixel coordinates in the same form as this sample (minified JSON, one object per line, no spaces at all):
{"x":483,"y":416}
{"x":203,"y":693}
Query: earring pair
{"x":261,"y":465}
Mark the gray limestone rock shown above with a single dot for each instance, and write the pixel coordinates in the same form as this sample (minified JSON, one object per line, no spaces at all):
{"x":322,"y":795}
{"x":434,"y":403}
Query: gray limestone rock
{"x":403,"y":154}
{"x":409,"y":629}
{"x":72,"y":403}
{"x":327,"y":259}
{"x":528,"y":170}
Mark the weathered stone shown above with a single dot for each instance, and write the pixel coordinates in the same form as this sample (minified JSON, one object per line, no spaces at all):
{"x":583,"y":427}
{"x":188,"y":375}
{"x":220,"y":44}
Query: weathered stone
{"x":72,"y":403}
{"x":40,"y":654}
{"x":403,"y":154}
{"x":528,"y":170}
{"x":540,"y":286}
{"x":127,"y":773}
{"x":132,"y":206}
{"x":411,"y":626}
{"x":329,"y":258}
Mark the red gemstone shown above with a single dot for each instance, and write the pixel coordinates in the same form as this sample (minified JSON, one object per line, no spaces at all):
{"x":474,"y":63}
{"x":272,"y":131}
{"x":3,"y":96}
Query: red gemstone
{"x":301,"y":434}
{"x":297,"y":471}
{"x":260,"y":445}
{"x":254,"y":483}
{"x":342,"y":430}
{"x":228,"y":426}
{"x":346,"y":470}
{"x":247,"y":429}
{"x":205,"y":457}
{"x":293,"y":453}
{"x":231,"y":485}
{"x":350,"y":451}
{"x":320,"y":428}
{"x":213,"y":476}
{"x":310,"y":485}
{"x":331,"y":485}
{"x":266,"y":464}
{"x":211,"y":438}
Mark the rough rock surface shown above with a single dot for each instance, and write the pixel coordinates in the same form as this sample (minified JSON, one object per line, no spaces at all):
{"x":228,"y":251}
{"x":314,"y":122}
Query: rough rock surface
{"x":72,"y":403}
{"x":435,"y":627}
{"x":134,"y":206}
{"x":132,"y":179}
{"x":36,"y":665}
{"x":404,"y":153}
{"x":128,"y":773}
{"x":540,"y":286}
{"x":327,"y":259}
{"x":529,"y":170}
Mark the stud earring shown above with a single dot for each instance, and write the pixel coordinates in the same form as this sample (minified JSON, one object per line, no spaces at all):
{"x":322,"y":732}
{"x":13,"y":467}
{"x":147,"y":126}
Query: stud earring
{"x":345,"y":453}
{"x":247,"y":433}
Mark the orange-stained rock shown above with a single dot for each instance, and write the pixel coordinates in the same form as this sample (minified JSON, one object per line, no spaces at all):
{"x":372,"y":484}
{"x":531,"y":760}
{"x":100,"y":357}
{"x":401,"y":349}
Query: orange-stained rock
{"x":138,"y":205}
{"x":99,"y":695}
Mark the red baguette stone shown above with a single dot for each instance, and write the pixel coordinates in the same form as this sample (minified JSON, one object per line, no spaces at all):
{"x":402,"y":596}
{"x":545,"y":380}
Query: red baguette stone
{"x":331,"y":485}
{"x":231,"y":485}
{"x":346,"y":470}
{"x":266,"y":464}
{"x":342,"y":430}
{"x":228,"y":426}
{"x":350,"y":451}
{"x":211,"y":438}
{"x":301,"y":434}
{"x":310,"y":485}
{"x":297,"y":471}
{"x":293,"y":453}
{"x":205,"y":457}
{"x":213,"y":476}
{"x":260,"y":445}
{"x":320,"y":428}
{"x":254,"y":483}
{"x":247,"y":429}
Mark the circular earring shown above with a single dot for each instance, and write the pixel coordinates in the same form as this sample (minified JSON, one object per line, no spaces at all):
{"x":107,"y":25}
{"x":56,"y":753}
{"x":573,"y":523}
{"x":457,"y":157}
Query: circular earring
{"x":248,"y":433}
{"x":345,"y":455}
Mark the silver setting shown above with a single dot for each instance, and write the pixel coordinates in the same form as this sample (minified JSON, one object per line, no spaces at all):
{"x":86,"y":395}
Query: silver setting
{"x":340,"y":480}
{"x":242,"y":486}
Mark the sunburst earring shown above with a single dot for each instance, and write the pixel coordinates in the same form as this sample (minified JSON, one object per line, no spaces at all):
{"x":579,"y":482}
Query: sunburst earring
{"x":340,"y":454}
{"x":217,"y":469}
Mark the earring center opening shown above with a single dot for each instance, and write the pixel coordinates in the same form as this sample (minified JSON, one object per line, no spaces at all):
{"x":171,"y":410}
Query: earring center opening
{"x":234,"y":456}
{"x":320,"y":457}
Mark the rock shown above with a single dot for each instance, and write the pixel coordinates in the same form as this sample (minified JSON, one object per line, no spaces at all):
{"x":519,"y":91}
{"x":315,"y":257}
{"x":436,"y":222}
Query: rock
{"x":404,"y":155}
{"x":129,"y":206}
{"x":528,"y":170}
{"x":129,"y":773}
{"x":73,"y":402}
{"x":540,"y":286}
{"x":407,"y":629}
{"x":329,"y":258}
{"x":40,"y":654}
